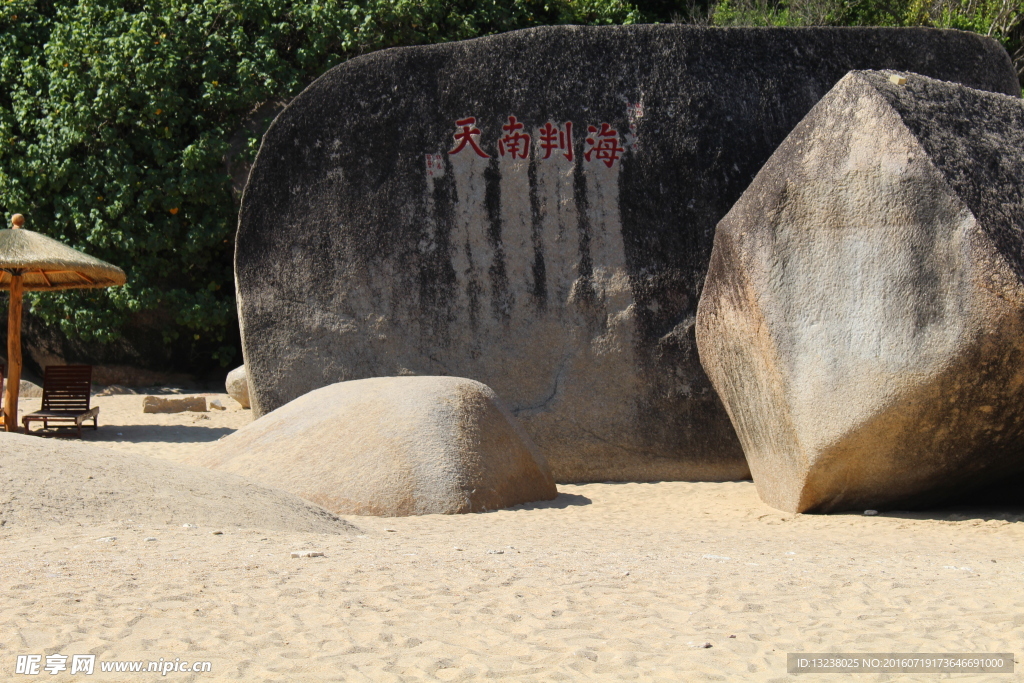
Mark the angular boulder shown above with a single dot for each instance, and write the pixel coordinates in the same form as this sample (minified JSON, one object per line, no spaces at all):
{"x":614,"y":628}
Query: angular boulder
{"x":392,"y":446}
{"x":237,"y":386}
{"x":863,"y":316}
{"x":535,"y":211}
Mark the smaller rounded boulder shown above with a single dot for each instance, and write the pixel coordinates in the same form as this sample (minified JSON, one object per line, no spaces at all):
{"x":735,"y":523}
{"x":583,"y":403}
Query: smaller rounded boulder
{"x":392,"y":446}
{"x":237,"y":385}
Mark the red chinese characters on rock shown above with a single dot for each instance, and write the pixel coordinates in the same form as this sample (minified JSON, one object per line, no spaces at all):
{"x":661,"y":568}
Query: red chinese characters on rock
{"x":514,"y":144}
{"x":603,"y":145}
{"x":435,"y":165}
{"x":468,"y":136}
{"x":553,"y":138}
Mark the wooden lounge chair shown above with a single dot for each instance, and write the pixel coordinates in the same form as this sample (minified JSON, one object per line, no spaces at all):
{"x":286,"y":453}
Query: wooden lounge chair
{"x":66,"y":398}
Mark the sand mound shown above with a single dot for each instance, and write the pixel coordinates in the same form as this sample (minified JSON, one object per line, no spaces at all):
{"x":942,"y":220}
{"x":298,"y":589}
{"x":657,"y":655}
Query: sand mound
{"x":46,"y":482}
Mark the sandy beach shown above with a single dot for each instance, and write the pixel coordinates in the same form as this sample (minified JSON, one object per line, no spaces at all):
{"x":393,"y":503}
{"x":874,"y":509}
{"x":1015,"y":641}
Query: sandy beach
{"x":670,"y":581}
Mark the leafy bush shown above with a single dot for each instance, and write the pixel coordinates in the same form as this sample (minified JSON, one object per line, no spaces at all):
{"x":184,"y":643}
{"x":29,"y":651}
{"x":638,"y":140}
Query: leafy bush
{"x":116,"y":122}
{"x":1000,"y":19}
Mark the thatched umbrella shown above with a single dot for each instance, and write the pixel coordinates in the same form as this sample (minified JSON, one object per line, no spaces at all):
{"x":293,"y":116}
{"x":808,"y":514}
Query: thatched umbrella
{"x":34,"y":262}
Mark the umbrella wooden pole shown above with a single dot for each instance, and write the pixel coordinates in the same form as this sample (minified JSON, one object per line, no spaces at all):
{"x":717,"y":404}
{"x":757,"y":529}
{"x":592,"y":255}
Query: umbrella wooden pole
{"x":13,"y":356}
{"x":13,"y":344}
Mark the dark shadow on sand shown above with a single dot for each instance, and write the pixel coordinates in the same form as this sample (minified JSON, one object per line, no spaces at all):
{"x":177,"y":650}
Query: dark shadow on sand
{"x":1002,"y":501}
{"x":156,"y":434}
{"x":563,"y":501}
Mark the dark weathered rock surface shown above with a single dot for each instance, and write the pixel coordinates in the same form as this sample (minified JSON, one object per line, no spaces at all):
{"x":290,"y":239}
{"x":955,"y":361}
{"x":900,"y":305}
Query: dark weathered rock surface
{"x":392,"y":446}
{"x":140,"y":357}
{"x":863,"y":316}
{"x":366,"y":247}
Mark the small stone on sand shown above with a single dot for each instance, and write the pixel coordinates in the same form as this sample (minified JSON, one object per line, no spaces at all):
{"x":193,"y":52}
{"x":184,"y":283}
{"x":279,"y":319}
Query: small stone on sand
{"x":179,"y":404}
{"x":307,"y":553}
{"x":870,"y":513}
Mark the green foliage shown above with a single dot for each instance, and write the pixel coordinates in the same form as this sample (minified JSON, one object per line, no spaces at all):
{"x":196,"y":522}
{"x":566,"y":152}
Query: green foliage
{"x":1000,"y":19}
{"x":116,"y":118}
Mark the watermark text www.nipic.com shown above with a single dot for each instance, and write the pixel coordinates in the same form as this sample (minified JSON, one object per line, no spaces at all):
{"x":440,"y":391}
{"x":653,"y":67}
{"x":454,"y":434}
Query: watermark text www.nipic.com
{"x":86,"y":665}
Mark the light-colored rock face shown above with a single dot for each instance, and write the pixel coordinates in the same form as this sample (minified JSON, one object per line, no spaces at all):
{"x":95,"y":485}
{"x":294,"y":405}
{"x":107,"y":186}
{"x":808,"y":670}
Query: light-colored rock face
{"x":535,"y":211}
{"x":29,"y":390}
{"x":392,"y":446}
{"x":859,"y":322}
{"x":237,"y":386}
{"x":160,"y":404}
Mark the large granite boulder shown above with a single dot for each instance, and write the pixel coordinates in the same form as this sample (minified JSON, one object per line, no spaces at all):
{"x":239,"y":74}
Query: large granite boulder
{"x":392,"y":446}
{"x":863,"y":316}
{"x":536,"y":211}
